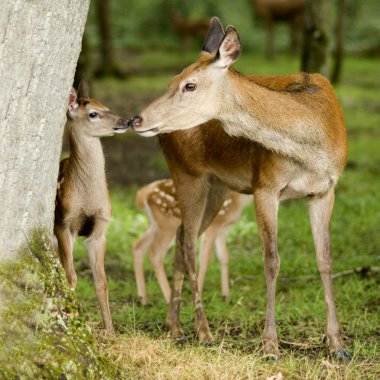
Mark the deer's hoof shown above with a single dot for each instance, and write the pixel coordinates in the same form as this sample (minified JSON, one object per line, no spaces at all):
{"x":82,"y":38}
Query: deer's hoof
{"x":178,"y":338}
{"x":271,"y":357}
{"x":204,"y":335}
{"x":342,"y":355}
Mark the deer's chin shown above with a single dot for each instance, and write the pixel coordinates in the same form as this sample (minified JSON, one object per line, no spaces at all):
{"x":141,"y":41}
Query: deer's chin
{"x":119,"y":130}
{"x":149,"y":132}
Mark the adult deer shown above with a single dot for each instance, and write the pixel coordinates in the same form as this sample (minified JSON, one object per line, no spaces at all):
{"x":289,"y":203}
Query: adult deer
{"x":286,"y":11}
{"x":292,"y":144}
{"x":82,"y":204}
{"x":188,"y":29}
{"x":159,"y":200}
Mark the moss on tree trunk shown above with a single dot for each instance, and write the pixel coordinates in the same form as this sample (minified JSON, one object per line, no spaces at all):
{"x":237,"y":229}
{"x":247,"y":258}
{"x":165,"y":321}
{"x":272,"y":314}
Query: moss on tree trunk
{"x":42,"y":333}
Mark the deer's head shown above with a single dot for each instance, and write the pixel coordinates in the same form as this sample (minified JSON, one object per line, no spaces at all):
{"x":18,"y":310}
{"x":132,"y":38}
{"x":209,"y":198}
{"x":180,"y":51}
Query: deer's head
{"x":90,"y":117}
{"x":195,"y":96}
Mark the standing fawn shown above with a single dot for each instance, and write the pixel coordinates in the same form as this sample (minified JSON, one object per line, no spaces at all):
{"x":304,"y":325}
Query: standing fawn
{"x":83,"y":207}
{"x":279,"y":137}
{"x":159,"y":201}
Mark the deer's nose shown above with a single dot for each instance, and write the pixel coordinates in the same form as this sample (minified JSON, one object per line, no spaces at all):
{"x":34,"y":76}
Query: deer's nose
{"x":136,"y":121}
{"x":123,"y":123}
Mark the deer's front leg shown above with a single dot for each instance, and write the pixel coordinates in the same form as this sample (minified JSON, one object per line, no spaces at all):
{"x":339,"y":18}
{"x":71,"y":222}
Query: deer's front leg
{"x":96,"y":248}
{"x":266,"y":205}
{"x":65,"y":249}
{"x":172,"y":318}
{"x":320,"y":214}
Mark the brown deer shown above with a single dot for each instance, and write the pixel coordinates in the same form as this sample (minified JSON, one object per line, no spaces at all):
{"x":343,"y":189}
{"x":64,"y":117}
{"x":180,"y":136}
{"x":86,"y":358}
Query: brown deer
{"x":286,"y":11}
{"x":279,"y":137}
{"x":83,"y":207}
{"x":188,"y":29}
{"x":159,"y":201}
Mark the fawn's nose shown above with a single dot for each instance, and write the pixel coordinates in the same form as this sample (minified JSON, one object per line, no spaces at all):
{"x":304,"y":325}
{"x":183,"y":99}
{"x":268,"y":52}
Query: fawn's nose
{"x":136,"y":121}
{"x":123,"y":123}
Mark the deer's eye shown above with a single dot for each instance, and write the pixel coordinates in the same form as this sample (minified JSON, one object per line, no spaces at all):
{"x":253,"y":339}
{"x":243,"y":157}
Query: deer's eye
{"x":190,"y":87}
{"x":93,"y":115}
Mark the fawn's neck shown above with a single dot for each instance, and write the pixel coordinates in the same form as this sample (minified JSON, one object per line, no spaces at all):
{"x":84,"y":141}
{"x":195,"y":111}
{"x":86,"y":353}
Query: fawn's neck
{"x":86,"y":162}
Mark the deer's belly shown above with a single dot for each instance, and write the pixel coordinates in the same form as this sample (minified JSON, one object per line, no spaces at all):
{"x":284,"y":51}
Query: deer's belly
{"x":307,"y":185}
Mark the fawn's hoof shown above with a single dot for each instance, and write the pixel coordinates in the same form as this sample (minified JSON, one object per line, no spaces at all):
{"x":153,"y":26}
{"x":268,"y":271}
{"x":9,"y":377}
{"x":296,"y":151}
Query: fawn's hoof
{"x":342,"y":355}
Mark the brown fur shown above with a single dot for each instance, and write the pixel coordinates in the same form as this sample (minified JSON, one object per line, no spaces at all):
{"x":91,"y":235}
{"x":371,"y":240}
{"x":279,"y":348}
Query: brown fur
{"x":276,"y":137}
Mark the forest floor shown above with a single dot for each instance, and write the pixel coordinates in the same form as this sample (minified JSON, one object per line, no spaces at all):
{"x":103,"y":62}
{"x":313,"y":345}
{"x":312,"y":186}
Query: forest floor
{"x":141,"y":348}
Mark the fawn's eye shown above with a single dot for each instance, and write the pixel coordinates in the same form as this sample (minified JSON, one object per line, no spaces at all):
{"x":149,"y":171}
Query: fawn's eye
{"x":93,"y":115}
{"x":190,"y":87}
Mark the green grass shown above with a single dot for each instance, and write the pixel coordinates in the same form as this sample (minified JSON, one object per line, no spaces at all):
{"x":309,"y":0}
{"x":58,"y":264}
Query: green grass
{"x":300,"y":306}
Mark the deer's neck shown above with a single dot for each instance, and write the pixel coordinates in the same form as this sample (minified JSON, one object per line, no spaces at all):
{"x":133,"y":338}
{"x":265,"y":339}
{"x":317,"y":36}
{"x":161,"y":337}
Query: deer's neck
{"x":275,"y":119}
{"x":86,"y":162}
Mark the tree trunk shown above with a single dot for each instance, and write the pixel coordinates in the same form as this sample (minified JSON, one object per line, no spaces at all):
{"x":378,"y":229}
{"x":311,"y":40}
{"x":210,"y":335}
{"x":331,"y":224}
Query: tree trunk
{"x":317,"y":36}
{"x":107,"y":65}
{"x":42,"y":334}
{"x":39,"y":47}
{"x":338,"y":53}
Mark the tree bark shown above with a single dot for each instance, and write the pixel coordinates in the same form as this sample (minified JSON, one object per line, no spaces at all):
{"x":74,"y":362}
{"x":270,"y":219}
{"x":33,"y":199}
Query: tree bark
{"x":317,"y":36}
{"x":39,"y":47}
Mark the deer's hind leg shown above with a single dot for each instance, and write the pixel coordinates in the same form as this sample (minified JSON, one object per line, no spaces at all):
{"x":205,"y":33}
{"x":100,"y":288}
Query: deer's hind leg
{"x":320,"y":209}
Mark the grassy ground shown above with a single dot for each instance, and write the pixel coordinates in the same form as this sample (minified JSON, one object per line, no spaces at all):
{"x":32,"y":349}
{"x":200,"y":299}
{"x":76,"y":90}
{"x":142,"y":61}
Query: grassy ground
{"x":141,"y":348}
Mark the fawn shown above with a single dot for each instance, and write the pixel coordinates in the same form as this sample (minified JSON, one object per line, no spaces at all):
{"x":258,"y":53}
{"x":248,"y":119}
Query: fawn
{"x":277,"y":137}
{"x":159,"y":201}
{"x":83,"y":206}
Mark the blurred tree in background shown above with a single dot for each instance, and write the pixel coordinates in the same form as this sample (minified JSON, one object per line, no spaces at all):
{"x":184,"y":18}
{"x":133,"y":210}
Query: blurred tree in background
{"x":118,"y":29}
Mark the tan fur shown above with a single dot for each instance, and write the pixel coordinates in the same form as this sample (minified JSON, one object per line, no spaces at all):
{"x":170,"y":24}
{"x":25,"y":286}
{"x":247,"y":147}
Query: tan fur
{"x":158,"y":199}
{"x":82,"y":203}
{"x":276,"y":137}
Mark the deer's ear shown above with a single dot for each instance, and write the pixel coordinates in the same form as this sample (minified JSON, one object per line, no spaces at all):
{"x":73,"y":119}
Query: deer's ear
{"x":73,"y":100}
{"x":214,"y":37}
{"x":230,"y":48}
{"x":83,"y":89}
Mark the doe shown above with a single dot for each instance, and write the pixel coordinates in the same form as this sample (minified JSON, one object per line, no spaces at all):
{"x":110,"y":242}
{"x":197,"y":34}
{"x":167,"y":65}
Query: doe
{"x":278,"y":137}
{"x":83,"y":206}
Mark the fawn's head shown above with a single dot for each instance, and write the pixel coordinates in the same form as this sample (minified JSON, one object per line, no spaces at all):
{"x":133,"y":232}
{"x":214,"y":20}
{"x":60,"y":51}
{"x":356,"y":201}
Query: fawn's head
{"x":90,"y":117}
{"x":195,"y":95}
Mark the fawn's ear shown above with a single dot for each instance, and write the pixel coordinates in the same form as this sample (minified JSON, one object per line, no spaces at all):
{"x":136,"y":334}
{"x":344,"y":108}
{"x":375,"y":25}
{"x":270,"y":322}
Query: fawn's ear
{"x":83,"y":89}
{"x":230,"y":48}
{"x":73,"y":100}
{"x":214,"y":37}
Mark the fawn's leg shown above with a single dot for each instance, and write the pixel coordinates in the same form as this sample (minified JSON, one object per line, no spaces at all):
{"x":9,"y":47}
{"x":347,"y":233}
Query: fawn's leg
{"x":205,"y":252}
{"x":222,"y":255}
{"x":139,"y":249}
{"x":266,"y":205}
{"x":96,"y":248}
{"x":160,"y":247}
{"x":65,"y":249}
{"x":320,"y":209}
